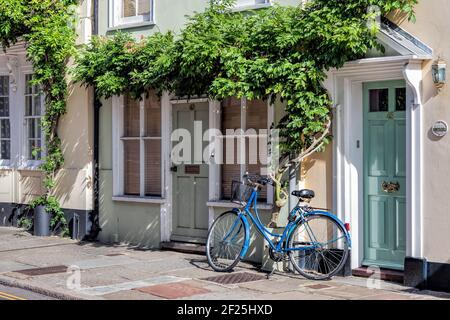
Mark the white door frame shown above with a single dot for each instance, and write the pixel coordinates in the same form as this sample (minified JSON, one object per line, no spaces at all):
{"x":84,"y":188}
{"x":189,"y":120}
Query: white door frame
{"x":345,"y":87}
{"x":167,"y":103}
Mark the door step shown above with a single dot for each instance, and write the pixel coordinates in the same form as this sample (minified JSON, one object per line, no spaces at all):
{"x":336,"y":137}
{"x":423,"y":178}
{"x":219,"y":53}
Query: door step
{"x":385,"y":274}
{"x":184,"y":247}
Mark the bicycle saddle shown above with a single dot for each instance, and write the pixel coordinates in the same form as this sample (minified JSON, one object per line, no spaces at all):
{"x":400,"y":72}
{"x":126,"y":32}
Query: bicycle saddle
{"x":304,"y":194}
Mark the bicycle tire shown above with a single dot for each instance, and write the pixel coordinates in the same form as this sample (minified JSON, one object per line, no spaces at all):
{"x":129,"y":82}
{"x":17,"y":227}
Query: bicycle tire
{"x":225,"y":265}
{"x":307,"y":268}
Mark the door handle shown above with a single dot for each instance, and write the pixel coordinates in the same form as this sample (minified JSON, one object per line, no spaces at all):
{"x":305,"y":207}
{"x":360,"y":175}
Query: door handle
{"x":174,"y":168}
{"x":390,"y":187}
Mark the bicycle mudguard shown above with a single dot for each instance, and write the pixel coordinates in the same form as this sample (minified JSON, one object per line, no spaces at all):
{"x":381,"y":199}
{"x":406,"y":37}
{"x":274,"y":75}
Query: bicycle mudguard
{"x":333,"y":217}
{"x":247,"y":233}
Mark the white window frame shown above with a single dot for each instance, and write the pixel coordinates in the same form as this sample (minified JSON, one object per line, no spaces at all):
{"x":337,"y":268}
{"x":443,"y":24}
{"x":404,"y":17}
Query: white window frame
{"x":7,"y":162}
{"x":18,"y":130}
{"x":29,"y":163}
{"x":216,"y":175}
{"x":118,"y":103}
{"x":115,"y":8}
{"x":252,"y":4}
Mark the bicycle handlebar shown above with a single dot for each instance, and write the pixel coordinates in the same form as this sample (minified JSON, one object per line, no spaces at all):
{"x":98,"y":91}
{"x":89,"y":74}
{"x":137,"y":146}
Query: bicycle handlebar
{"x":260,"y":180}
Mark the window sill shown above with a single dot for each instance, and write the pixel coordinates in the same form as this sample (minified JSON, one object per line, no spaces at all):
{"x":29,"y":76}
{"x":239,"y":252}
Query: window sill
{"x":139,"y":199}
{"x":228,"y":204}
{"x":30,"y":165}
{"x":252,"y":7}
{"x":29,"y":168}
{"x":131,"y":26}
{"x":36,"y":167}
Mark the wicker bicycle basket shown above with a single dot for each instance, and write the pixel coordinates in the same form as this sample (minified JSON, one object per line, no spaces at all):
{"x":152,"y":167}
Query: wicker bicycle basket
{"x":240,"y":192}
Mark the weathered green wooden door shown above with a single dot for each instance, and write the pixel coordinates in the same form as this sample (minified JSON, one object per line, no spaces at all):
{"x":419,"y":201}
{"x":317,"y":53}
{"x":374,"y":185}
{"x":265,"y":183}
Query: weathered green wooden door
{"x":190,"y":173}
{"x":385,"y":174}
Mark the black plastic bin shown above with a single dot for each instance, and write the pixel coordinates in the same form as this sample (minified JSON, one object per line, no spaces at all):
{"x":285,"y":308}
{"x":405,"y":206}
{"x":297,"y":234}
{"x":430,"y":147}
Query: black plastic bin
{"x":41,"y":222}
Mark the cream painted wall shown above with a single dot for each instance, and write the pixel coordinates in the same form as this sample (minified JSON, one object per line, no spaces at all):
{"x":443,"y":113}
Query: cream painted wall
{"x":317,"y":175}
{"x":433,"y":28}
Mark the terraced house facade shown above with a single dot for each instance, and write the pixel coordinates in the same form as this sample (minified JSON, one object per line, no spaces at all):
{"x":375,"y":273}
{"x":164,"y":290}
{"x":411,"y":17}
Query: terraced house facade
{"x":168,"y":202}
{"x":21,"y":109}
{"x":384,"y":174}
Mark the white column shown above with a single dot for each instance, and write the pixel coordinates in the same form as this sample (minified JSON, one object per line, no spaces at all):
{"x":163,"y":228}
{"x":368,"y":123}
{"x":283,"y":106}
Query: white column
{"x":414,"y":233}
{"x":166,"y":129}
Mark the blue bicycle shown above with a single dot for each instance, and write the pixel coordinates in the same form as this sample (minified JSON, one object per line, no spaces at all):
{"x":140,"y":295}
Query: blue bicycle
{"x":316,"y":242}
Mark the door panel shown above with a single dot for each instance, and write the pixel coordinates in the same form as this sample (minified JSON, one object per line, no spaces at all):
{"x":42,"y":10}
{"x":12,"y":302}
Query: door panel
{"x":185,"y":198}
{"x":201,"y":212}
{"x":190,"y":174}
{"x":400,"y":210}
{"x":400,"y":148}
{"x":378,"y":217}
{"x":384,"y":174}
{"x":377,"y":154}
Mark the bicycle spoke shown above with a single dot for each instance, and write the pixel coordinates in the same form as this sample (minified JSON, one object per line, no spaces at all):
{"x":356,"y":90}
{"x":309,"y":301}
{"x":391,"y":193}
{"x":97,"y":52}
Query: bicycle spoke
{"x":225,"y":241}
{"x":334,"y":265}
{"x":327,"y":247}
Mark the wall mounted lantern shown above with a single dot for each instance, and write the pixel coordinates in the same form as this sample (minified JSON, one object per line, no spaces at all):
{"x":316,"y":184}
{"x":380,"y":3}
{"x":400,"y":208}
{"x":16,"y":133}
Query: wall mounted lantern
{"x":439,"y":73}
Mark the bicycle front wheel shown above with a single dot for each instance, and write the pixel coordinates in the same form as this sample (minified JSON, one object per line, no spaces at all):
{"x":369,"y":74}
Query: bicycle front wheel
{"x":318,"y":247}
{"x":225,"y":242}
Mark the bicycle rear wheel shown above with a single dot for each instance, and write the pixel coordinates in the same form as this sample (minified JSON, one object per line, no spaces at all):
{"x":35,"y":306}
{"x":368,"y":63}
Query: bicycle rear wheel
{"x":225,"y":242}
{"x":321,"y":247}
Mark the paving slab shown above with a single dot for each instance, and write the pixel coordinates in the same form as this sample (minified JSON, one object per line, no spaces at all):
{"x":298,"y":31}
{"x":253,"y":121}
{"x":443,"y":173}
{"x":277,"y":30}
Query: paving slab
{"x":102,"y":262}
{"x":388,"y":296}
{"x":426,"y":294}
{"x":8,"y":266}
{"x":190,"y":272}
{"x":161,"y":265}
{"x":130,"y":295}
{"x":241,"y":294}
{"x":102,"y":290}
{"x":96,"y":277}
{"x":24,"y":241}
{"x":348,"y":292}
{"x":212,"y":287}
{"x":295,"y":295}
{"x":9,"y":230}
{"x":274,"y":285}
{"x":173,"y":290}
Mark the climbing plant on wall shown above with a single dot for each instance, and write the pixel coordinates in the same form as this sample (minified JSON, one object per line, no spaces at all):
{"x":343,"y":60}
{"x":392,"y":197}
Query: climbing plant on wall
{"x":47,"y":28}
{"x":278,"y":52}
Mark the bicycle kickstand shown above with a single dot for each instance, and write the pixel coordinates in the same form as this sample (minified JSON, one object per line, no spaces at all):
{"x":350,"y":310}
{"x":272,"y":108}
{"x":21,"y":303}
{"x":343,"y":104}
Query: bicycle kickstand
{"x":270,"y":274}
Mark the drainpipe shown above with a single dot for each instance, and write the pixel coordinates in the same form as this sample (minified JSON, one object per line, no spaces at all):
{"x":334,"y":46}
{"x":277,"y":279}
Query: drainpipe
{"x":94,"y":216}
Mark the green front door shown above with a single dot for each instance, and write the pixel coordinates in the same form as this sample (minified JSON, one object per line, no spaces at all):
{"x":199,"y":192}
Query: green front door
{"x":190,"y":173}
{"x":385,"y":174}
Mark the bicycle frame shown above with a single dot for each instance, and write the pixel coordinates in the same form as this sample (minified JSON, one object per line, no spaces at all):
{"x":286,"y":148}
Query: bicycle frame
{"x":279,"y":247}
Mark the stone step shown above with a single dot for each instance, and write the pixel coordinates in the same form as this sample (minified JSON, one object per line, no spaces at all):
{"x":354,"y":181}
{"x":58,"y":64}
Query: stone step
{"x":385,"y":274}
{"x":184,"y":247}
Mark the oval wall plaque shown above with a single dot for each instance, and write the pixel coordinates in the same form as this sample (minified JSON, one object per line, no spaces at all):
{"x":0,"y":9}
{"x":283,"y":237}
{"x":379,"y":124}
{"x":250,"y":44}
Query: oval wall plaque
{"x":440,"y":128}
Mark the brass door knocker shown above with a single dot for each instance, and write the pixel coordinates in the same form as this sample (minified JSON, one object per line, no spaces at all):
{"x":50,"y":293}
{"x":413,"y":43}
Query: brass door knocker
{"x":390,"y":187}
